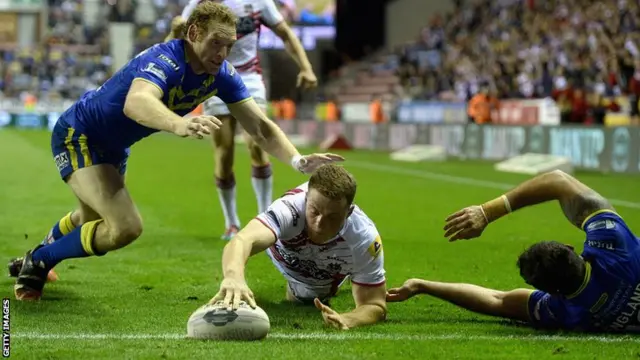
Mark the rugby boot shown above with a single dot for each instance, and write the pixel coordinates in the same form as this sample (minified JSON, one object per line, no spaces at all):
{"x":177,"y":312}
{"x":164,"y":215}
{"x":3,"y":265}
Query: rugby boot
{"x":15,"y":265}
{"x":31,"y":278}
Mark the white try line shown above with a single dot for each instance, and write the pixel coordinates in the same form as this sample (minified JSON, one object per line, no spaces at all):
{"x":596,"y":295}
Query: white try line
{"x":341,"y":337}
{"x":458,"y":179}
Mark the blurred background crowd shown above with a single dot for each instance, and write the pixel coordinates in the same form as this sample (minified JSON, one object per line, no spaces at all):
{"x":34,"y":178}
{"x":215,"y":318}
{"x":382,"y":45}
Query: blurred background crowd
{"x":74,"y":55}
{"x":582,"y":53}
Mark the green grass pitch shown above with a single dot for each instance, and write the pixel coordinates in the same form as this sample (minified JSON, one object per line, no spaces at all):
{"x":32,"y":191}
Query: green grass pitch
{"x":134,"y":303}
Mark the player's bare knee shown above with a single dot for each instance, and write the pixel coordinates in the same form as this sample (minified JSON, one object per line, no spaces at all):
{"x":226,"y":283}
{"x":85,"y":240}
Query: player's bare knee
{"x":124,"y":232}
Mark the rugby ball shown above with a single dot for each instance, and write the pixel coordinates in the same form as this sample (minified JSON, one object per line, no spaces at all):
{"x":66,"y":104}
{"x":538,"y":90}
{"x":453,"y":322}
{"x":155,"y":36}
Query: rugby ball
{"x":215,"y":322}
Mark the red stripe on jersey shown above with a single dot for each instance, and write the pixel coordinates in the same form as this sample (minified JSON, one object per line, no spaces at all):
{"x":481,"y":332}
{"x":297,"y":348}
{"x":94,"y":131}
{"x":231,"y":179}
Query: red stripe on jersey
{"x":251,"y":66}
{"x":292,"y":192}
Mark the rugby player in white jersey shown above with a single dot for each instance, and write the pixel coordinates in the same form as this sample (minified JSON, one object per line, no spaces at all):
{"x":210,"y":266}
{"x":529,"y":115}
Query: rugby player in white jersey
{"x":244,"y":57}
{"x":316,"y":237}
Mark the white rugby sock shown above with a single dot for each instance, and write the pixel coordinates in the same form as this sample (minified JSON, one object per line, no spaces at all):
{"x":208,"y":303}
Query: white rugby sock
{"x":227,"y":196}
{"x":262,"y":181}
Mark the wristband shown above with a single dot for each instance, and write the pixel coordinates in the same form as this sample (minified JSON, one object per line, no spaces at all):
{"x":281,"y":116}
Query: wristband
{"x":507,"y":204}
{"x":484,"y":214}
{"x":297,"y":161}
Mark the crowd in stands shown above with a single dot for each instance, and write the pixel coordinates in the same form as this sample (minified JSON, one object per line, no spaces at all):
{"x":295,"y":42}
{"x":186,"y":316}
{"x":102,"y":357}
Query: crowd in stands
{"x":582,"y":53}
{"x":74,"y":55}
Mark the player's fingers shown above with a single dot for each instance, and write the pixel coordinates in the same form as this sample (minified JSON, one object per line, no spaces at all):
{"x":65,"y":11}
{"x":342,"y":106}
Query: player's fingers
{"x":334,"y":157}
{"x":251,"y":300}
{"x":208,"y":126}
{"x":219,"y":296}
{"x":237,"y":296}
{"x":228,"y":298}
{"x":192,"y":125}
{"x":455,"y":215}
{"x":319,"y":305}
{"x":455,"y":225}
{"x":461,"y":235}
{"x":213,"y":122}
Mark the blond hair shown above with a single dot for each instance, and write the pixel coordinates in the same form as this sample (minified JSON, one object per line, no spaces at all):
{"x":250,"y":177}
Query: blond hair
{"x":206,"y":13}
{"x":334,"y":182}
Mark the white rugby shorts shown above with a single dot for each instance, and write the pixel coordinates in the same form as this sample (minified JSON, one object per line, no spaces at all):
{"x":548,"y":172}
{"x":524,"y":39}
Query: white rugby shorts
{"x":255,"y":85}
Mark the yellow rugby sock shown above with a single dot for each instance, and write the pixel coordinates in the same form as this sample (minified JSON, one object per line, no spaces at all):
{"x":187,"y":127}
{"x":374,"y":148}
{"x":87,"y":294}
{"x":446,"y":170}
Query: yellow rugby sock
{"x":60,"y":229}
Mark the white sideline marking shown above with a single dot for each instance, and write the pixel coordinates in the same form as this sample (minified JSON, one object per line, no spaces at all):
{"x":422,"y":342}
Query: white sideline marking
{"x":458,"y":179}
{"x":341,"y":337}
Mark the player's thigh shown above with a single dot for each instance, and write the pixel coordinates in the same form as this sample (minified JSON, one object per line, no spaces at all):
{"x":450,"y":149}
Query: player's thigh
{"x":95,"y":176}
{"x":101,"y":188}
{"x":224,"y":138}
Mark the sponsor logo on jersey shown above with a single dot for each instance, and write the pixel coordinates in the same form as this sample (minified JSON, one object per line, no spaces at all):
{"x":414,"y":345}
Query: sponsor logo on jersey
{"x":376,"y":247}
{"x":626,"y":317}
{"x":231,"y":69}
{"x":171,"y":63}
{"x":601,"y":224}
{"x":155,"y":70}
{"x":62,"y":160}
{"x":602,"y":244}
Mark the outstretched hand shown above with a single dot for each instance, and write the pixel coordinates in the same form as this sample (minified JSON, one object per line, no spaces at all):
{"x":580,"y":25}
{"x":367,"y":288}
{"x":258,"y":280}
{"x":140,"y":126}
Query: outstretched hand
{"x":330,"y":316}
{"x":309,"y":163}
{"x":466,"y":224}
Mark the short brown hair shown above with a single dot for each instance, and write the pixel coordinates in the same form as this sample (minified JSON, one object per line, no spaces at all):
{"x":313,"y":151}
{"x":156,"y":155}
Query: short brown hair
{"x":204,"y":14}
{"x":552,"y":267}
{"x":334,"y":182}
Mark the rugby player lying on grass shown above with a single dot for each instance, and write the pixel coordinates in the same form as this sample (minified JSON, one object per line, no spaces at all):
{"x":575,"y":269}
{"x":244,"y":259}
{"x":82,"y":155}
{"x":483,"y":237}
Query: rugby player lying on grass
{"x":598,"y":290}
{"x":151,"y":93}
{"x":316,"y":237}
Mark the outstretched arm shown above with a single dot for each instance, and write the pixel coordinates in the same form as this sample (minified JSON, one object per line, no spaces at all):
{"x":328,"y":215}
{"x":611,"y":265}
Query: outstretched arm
{"x":371,"y":307}
{"x":506,"y":304}
{"x":264,"y":131}
{"x":577,"y":200}
{"x":252,"y":239}
{"x":272,"y":139}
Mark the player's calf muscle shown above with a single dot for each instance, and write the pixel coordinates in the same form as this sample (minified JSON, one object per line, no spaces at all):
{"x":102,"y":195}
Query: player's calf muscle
{"x":258,"y":156}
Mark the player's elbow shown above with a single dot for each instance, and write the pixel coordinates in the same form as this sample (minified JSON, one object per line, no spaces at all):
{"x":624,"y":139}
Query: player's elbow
{"x":379,"y":311}
{"x":559,"y":175}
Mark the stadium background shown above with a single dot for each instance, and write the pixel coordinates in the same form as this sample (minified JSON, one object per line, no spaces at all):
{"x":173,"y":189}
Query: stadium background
{"x":392,"y":74}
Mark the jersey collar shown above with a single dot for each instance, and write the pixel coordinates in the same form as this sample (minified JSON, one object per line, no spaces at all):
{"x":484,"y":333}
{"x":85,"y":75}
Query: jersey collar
{"x":585,"y":281}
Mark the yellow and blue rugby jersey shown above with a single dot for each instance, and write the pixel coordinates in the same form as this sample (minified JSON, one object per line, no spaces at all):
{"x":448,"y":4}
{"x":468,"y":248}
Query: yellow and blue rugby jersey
{"x":609,"y":298}
{"x":99,"y":113}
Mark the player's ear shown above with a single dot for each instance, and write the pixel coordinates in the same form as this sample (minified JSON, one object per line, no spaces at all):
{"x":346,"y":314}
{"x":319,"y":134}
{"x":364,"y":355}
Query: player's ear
{"x":192,"y":33}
